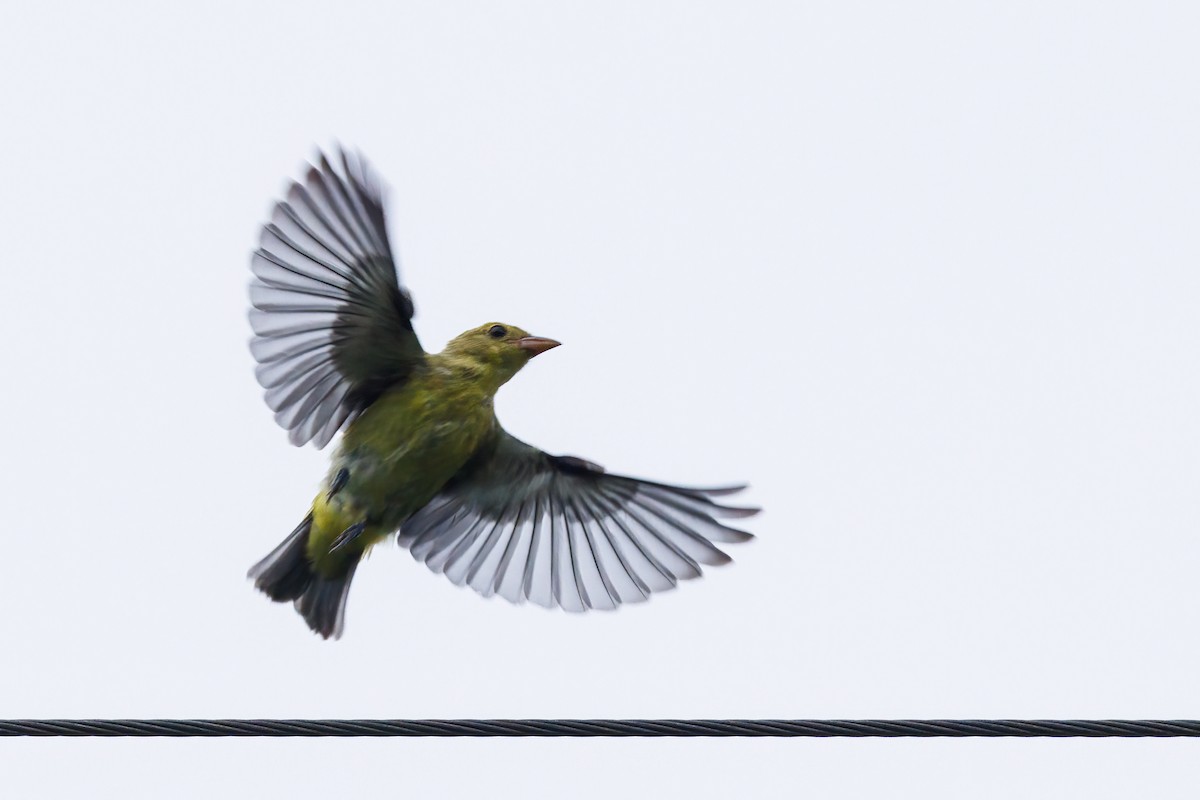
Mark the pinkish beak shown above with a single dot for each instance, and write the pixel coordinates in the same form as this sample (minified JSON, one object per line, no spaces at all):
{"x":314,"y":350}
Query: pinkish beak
{"x":536,"y":344}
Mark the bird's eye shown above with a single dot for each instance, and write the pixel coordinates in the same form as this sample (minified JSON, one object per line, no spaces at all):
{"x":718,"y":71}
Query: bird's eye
{"x":497,"y":331}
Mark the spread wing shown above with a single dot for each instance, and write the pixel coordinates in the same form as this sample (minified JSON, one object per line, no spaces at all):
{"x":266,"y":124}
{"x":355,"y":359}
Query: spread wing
{"x":332,"y":325}
{"x":559,"y":531}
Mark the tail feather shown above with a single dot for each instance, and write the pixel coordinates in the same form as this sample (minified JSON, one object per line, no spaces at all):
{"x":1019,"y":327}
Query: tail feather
{"x":287,"y":574}
{"x":323,"y":605}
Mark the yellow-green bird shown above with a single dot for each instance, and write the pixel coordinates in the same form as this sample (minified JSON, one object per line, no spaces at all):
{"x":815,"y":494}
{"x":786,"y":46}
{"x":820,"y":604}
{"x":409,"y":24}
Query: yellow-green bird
{"x":422,"y":452}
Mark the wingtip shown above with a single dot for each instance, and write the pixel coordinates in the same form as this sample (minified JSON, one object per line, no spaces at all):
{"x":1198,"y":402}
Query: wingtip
{"x":723,"y":491}
{"x":738,"y":512}
{"x":736,"y":535}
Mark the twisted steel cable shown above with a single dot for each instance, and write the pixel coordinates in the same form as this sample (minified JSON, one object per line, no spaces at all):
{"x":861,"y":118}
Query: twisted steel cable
{"x":852,"y":728}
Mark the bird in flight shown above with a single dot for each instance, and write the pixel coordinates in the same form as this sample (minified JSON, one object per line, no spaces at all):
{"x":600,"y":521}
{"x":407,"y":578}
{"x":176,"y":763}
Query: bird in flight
{"x":421,"y":451}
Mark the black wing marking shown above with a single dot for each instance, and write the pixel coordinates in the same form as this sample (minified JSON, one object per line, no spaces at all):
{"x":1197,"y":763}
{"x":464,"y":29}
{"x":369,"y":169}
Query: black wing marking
{"x":559,"y":531}
{"x":332,"y":325}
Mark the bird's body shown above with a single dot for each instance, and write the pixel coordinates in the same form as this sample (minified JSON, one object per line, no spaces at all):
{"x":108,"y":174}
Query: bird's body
{"x":422,"y":452}
{"x":397,"y":455}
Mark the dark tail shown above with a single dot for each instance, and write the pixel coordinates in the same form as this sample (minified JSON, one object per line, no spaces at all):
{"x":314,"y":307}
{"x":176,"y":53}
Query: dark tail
{"x":287,"y":574}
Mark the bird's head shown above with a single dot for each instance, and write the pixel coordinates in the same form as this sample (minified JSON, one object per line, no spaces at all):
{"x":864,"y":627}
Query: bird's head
{"x":498,"y":350}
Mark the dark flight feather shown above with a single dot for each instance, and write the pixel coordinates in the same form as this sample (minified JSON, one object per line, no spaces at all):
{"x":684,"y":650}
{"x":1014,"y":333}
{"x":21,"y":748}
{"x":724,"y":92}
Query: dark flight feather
{"x":560,"y":531}
{"x":332,"y":325}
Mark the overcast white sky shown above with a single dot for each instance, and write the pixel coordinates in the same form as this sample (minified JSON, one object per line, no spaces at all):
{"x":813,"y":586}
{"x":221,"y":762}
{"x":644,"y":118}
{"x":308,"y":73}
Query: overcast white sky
{"x":925,"y":274}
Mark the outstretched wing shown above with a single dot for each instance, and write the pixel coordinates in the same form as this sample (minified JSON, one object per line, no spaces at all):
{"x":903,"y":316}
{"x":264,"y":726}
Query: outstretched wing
{"x":332,"y":326}
{"x":559,"y":531}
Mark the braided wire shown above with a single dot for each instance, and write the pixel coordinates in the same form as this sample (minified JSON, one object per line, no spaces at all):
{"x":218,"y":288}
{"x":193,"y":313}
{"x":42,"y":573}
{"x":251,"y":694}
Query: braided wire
{"x":851,"y":728}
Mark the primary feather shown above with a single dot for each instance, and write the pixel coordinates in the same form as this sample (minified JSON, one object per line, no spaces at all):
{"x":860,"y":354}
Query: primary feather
{"x":332,"y":327}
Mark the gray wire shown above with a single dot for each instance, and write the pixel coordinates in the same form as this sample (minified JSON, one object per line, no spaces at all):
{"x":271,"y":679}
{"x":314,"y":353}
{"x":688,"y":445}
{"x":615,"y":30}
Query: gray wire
{"x":854,"y":728}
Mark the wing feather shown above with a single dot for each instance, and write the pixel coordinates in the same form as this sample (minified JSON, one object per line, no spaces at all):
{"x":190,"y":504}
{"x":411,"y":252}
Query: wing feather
{"x":559,"y":531}
{"x":332,"y":325}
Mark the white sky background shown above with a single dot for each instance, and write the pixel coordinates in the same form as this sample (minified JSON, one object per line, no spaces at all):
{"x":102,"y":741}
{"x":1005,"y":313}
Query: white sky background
{"x":926,"y":276}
